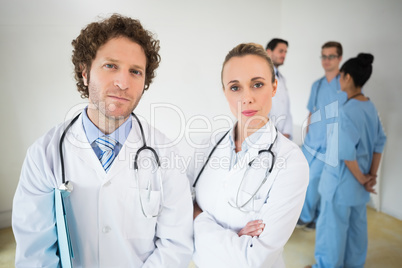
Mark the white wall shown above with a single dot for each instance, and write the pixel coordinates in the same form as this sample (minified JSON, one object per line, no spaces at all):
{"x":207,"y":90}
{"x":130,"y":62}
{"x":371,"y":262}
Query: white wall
{"x":37,"y":84}
{"x":38,"y":89}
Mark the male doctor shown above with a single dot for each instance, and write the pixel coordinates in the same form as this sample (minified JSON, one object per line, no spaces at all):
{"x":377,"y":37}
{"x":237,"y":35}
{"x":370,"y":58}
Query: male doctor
{"x":115,"y":61}
{"x":280,"y":111}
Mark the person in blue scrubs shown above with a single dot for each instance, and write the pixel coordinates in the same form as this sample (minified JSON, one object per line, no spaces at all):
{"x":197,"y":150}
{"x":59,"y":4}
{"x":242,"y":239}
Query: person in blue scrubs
{"x":325,"y":99}
{"x":356,"y":147}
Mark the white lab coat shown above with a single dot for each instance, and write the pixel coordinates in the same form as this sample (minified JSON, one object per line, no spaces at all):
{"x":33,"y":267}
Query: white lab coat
{"x":280,"y":110}
{"x":215,"y":229}
{"x":107,"y":226}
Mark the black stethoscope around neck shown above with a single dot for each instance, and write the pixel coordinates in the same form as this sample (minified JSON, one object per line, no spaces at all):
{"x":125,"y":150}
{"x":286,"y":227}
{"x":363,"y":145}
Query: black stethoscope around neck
{"x":354,"y":96}
{"x":269,"y":150}
{"x":67,"y":186}
{"x":237,"y":204}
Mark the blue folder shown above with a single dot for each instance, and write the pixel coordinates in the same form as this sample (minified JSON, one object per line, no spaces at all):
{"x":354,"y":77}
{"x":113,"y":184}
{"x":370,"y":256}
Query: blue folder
{"x":63,"y":235}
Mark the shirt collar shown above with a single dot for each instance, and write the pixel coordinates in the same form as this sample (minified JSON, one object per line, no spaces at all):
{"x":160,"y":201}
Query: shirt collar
{"x":276,"y":71}
{"x":92,"y":132}
{"x":254,"y":140}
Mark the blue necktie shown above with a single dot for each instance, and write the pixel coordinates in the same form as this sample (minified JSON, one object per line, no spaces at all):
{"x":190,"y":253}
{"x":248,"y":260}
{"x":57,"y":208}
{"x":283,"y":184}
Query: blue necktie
{"x":106,"y":144}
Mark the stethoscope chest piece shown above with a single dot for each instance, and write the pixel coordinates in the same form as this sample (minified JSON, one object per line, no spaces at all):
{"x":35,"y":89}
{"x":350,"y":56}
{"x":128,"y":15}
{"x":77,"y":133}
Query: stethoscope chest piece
{"x":66,"y":188}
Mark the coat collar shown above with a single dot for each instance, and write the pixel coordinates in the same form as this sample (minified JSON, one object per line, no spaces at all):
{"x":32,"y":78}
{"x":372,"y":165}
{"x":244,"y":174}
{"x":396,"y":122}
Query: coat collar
{"x":77,"y":142}
{"x":260,"y":140}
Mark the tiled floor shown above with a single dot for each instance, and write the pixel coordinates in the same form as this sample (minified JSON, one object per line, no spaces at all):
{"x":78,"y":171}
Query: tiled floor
{"x":384,"y":249}
{"x":385,"y":244}
{"x":7,"y":248}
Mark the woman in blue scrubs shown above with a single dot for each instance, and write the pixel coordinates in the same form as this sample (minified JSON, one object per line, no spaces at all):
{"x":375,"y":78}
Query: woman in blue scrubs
{"x":355,"y":149}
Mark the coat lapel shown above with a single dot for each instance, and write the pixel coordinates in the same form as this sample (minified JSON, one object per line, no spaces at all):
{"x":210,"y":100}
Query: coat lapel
{"x":77,"y":143}
{"x":128,"y":151}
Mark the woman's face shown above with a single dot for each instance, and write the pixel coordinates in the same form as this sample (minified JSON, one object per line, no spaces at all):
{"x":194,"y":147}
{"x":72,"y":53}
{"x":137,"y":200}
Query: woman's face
{"x":345,"y":81}
{"x":248,"y":89}
{"x":342,"y":81}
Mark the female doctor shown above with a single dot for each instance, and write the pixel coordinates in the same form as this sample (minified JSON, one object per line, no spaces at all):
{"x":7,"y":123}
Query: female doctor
{"x":250,"y":191}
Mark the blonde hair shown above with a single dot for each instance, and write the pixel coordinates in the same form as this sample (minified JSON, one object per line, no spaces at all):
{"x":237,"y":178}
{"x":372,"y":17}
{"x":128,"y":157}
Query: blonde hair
{"x":245,"y":49}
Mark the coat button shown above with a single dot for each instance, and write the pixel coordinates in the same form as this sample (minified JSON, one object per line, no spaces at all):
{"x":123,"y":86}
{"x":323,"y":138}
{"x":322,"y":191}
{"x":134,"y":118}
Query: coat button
{"x":106,"y":229}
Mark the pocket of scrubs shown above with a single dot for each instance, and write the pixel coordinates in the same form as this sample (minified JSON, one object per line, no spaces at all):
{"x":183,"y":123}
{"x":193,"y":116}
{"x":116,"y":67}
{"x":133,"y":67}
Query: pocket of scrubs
{"x":136,"y":225}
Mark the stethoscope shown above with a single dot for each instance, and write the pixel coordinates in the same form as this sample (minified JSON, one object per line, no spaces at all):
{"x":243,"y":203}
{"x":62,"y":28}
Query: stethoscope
{"x":354,"y":96}
{"x":238,"y":205}
{"x":318,"y":89}
{"x":67,"y":187}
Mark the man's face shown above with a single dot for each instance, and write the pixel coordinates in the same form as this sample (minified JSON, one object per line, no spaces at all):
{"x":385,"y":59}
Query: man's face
{"x":278,"y":55}
{"x":117,"y":79}
{"x":329,"y":59}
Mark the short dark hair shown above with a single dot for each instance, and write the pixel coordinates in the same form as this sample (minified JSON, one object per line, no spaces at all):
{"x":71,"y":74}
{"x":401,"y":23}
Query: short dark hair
{"x":334,"y":44}
{"x":96,"y":34}
{"x":245,"y":49}
{"x":359,"y":68}
{"x":274,"y":42}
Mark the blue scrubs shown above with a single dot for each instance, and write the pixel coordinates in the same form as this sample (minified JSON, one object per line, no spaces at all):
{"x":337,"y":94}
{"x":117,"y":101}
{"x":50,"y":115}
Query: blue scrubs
{"x":341,"y":236}
{"x":325,"y":100}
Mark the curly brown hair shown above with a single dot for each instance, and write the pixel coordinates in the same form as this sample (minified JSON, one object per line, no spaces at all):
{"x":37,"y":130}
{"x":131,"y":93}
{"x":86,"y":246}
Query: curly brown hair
{"x":249,"y":49}
{"x":96,"y":34}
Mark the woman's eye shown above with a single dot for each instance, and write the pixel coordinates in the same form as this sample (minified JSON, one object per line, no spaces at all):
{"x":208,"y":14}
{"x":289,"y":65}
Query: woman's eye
{"x":258,"y":85}
{"x":234,"y":88}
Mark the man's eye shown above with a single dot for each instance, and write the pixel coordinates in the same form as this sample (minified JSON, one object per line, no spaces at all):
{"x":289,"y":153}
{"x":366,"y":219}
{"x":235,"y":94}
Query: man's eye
{"x":136,"y":72}
{"x":110,"y":66}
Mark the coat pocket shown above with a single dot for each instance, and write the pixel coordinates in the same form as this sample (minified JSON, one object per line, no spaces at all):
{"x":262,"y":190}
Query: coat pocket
{"x":141,"y":217}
